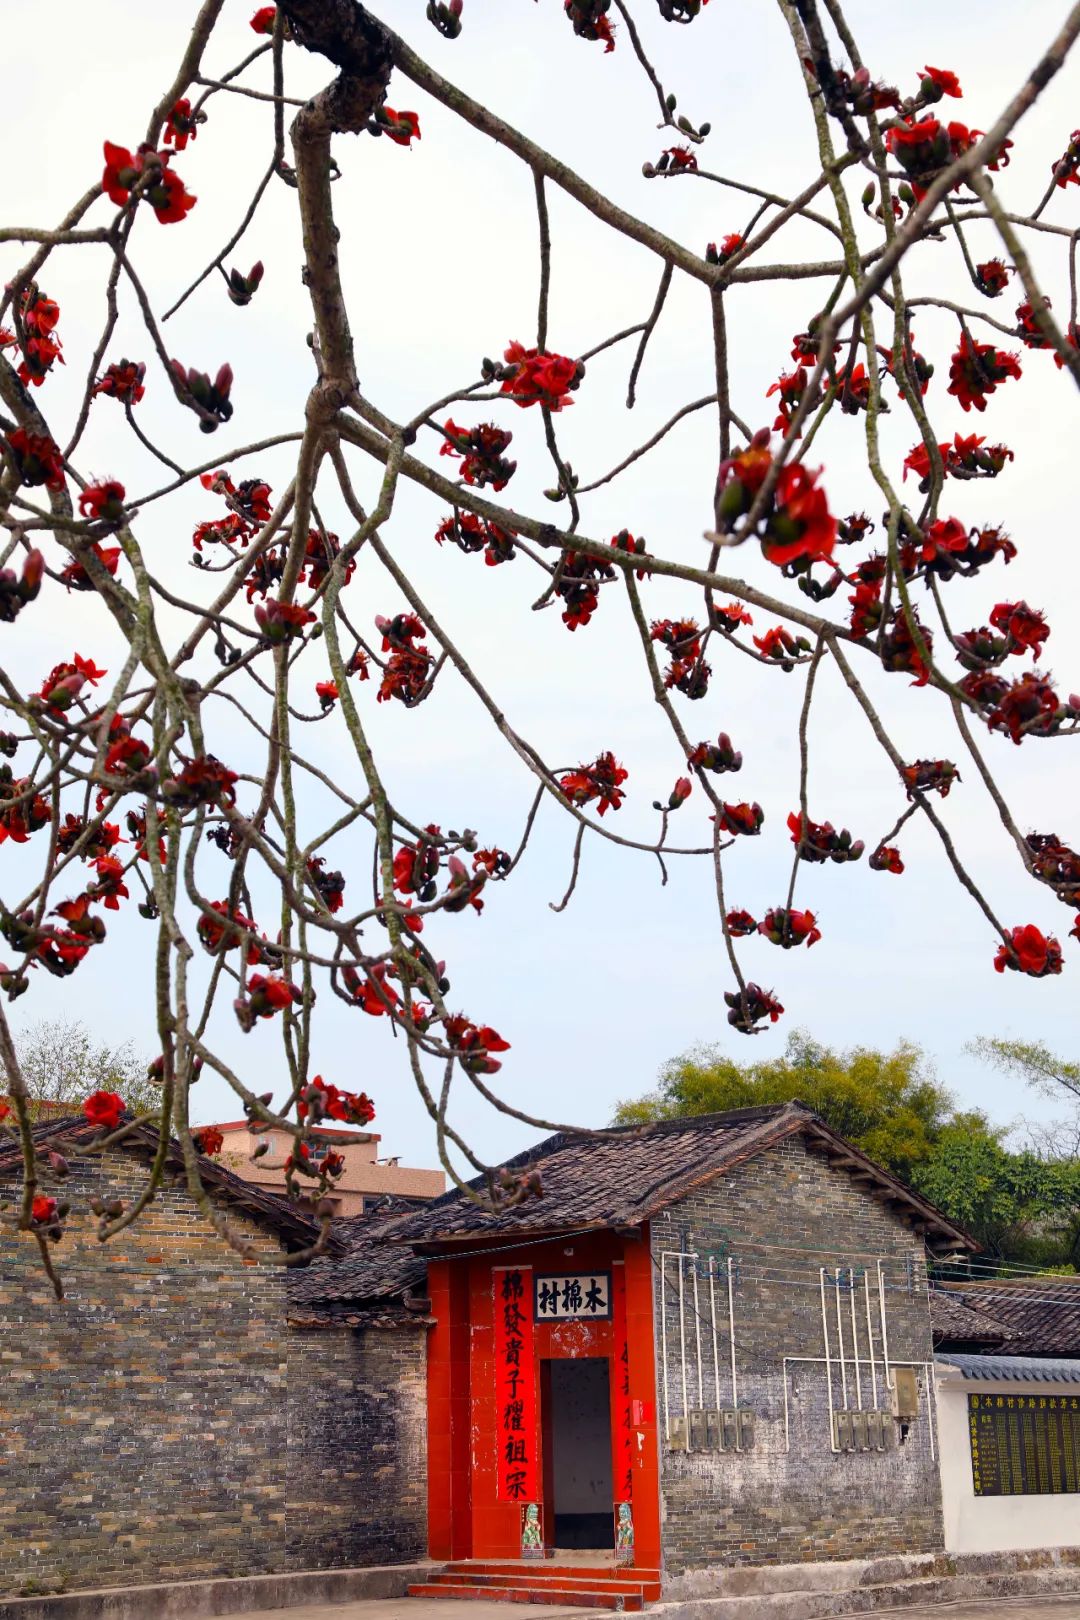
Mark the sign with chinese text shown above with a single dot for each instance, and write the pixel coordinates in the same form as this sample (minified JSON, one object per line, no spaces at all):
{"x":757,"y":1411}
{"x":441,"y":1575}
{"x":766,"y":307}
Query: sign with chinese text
{"x":579,"y":1297}
{"x":1024,"y":1445}
{"x":515,"y":1387}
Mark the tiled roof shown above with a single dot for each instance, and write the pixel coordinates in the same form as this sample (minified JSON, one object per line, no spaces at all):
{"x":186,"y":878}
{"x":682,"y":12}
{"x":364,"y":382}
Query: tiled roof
{"x":73,"y":1131}
{"x":627,"y":1175}
{"x":371,"y":1271}
{"x":959,"y":1321}
{"x":616,"y":1179}
{"x":1013,"y":1369}
{"x":1042,"y":1313}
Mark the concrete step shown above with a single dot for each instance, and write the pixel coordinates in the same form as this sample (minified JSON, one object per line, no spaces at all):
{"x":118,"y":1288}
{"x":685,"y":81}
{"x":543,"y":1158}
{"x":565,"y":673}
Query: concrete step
{"x":902,"y":1593}
{"x":842,"y":1575}
{"x":241,"y":1594}
{"x":627,"y":1602}
{"x":595,"y":1582}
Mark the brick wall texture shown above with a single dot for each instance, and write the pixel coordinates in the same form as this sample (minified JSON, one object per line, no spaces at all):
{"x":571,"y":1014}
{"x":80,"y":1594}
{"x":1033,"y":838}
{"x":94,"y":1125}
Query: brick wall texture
{"x":164,"y":1423}
{"x":780,"y":1218}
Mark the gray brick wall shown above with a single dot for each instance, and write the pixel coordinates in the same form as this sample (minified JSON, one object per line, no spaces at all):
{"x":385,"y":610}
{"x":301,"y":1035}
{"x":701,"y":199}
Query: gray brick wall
{"x":780,"y":1218}
{"x":164,"y":1423}
{"x":357,"y":1471}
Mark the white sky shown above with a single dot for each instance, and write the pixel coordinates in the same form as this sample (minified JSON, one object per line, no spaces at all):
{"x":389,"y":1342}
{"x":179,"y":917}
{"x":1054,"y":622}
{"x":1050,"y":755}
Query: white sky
{"x":438,"y":250}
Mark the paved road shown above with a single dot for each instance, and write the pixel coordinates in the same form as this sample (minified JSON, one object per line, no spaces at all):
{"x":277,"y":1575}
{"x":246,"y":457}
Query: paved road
{"x":1059,"y":1607}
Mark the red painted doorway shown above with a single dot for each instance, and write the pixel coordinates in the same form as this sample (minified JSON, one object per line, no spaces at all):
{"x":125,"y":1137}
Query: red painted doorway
{"x":575,"y":1417}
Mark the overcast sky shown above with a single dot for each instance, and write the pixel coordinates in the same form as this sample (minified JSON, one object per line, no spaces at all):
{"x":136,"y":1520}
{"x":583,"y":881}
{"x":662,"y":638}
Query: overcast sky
{"x":439,"y":263}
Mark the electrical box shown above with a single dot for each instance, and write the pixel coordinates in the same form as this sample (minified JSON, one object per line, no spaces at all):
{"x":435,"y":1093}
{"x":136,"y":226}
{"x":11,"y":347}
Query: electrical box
{"x":698,"y":1439}
{"x":905,"y":1394}
{"x":842,"y":1430}
{"x":677,"y":1436}
{"x":729,"y":1430}
{"x":874,"y":1423}
{"x":712,"y":1431}
{"x":860,"y":1433}
{"x":746,"y":1430}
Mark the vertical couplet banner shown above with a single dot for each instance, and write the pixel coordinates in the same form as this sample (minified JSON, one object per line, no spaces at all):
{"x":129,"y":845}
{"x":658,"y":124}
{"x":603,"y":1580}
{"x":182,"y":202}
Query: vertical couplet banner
{"x":622,"y":1446}
{"x":515,"y":1386}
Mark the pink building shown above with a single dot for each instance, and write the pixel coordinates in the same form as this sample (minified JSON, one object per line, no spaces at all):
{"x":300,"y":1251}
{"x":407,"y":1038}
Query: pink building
{"x":364,"y":1181}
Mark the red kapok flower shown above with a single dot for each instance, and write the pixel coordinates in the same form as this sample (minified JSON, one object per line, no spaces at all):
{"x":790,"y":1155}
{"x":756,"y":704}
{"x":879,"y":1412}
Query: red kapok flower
{"x":941,"y":82}
{"x":1025,"y":627}
{"x":208,"y":1139}
{"x":37,"y":459}
{"x":104,"y":501}
{"x":750,"y":1007}
{"x":165,"y":192}
{"x":801,"y":526}
{"x":745,"y":819}
{"x":402,"y":127}
{"x":976,"y":370}
{"x":788,"y":928}
{"x":740,"y":924}
{"x":590,"y":22}
{"x":886,"y":858}
{"x":992,"y":277}
{"x":1029,"y":951}
{"x":474,"y":1043}
{"x":43,"y":1210}
{"x":180,"y":126}
{"x":327,"y":694}
{"x":263,"y":20}
{"x":123,"y":380}
{"x":602,"y":781}
{"x":104,"y":1108}
{"x":110,"y":886}
{"x":930,"y":776}
{"x":535,"y":377}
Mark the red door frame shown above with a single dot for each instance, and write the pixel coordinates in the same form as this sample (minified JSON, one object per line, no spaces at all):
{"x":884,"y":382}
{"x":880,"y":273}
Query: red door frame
{"x":465,"y":1517}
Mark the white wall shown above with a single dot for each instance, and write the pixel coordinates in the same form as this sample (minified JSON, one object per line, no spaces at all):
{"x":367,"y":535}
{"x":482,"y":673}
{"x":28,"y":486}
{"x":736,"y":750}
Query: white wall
{"x":993,"y":1523}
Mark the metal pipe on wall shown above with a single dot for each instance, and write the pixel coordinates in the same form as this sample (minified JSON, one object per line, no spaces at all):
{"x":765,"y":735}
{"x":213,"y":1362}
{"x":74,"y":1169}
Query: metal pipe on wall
{"x":855,"y":1343}
{"x":828,"y":1367}
{"x":884,"y":1321}
{"x":870,"y":1336}
{"x":663,"y":1340}
{"x":712,"y":1312}
{"x":697,"y":1339}
{"x":682,"y":1348}
{"x":731,"y":1327}
{"x":840,"y":1341}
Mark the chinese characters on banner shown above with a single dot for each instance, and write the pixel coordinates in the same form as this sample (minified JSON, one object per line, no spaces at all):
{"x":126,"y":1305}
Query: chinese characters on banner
{"x":569,"y":1298}
{"x":623,"y":1429}
{"x":515,"y":1387}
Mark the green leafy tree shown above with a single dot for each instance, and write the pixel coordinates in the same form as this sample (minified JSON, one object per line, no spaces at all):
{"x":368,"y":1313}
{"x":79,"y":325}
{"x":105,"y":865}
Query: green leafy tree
{"x":1020,"y":1206}
{"x":889,"y":1104}
{"x":63,"y":1063}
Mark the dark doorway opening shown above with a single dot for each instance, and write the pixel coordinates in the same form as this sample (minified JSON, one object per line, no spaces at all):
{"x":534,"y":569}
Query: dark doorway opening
{"x":576,"y":1418}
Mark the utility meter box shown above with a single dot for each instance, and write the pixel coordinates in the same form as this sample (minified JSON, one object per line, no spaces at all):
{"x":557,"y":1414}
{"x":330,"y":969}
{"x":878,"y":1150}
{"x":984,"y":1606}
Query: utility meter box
{"x":842,"y":1430}
{"x":698,"y":1440}
{"x":729,"y":1431}
{"x":860,"y":1435}
{"x":746,"y":1430}
{"x":905,"y":1394}
{"x":875,"y":1423}
{"x":712,"y":1431}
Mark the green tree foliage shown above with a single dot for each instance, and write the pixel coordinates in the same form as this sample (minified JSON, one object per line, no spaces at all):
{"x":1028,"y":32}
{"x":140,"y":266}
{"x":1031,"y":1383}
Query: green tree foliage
{"x":63,"y":1063}
{"x":1020,"y":1206}
{"x":889,"y":1104}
